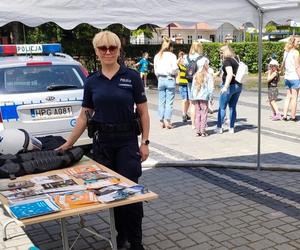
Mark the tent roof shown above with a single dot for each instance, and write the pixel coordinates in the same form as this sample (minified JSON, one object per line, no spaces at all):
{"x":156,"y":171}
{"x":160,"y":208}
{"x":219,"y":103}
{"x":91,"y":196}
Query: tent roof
{"x":132,"y":13}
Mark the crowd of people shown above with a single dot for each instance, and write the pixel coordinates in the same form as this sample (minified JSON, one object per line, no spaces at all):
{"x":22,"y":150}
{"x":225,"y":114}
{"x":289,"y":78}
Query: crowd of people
{"x":196,"y":82}
{"x":115,"y":94}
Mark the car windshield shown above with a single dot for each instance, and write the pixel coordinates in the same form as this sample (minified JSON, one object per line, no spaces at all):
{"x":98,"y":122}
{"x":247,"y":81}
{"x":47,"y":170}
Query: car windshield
{"x":39,"y":78}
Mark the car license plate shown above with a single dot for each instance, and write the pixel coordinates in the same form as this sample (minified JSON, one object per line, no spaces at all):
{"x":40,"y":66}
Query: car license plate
{"x":51,"y":113}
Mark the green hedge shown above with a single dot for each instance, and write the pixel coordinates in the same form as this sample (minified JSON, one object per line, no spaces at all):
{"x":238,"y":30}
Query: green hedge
{"x":248,"y":52}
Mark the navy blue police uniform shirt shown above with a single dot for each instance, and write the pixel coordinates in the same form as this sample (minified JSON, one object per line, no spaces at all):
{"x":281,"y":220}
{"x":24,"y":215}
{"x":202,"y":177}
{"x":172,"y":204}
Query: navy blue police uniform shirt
{"x":113,"y":100}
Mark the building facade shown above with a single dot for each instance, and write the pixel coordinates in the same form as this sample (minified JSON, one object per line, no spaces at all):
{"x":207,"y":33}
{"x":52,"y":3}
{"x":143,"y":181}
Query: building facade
{"x":188,"y":34}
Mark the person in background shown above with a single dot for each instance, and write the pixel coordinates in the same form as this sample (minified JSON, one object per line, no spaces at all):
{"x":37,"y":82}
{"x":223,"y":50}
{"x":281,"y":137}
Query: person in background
{"x":183,"y":87}
{"x":291,"y":64}
{"x":143,"y":67}
{"x":273,"y":79}
{"x":230,"y":88}
{"x":166,"y":69}
{"x":195,"y":54}
{"x":110,"y":96}
{"x":202,"y":90}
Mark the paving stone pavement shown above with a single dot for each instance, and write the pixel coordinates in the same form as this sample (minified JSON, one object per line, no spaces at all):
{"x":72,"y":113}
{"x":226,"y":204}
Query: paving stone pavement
{"x":205,"y":207}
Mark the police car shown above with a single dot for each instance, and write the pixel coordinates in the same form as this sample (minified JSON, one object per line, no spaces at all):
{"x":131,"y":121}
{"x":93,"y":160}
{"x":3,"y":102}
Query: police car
{"x":41,"y":90}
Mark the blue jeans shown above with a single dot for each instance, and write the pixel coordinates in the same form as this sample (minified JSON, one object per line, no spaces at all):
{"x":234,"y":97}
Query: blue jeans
{"x":166,"y":94}
{"x":229,"y":98}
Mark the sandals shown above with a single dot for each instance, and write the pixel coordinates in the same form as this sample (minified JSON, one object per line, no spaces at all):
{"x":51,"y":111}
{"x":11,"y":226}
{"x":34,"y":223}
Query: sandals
{"x":201,"y":134}
{"x":169,"y":126}
{"x":166,"y":125}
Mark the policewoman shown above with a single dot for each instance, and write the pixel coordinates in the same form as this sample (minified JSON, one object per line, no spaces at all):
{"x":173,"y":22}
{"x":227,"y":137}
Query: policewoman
{"x":111,"y":95}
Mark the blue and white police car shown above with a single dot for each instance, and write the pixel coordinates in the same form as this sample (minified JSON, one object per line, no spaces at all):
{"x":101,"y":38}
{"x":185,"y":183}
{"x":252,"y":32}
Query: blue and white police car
{"x":41,"y":90}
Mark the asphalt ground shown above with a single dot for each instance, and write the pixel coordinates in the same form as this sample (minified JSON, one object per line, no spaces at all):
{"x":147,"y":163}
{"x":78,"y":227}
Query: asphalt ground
{"x":210,"y":194}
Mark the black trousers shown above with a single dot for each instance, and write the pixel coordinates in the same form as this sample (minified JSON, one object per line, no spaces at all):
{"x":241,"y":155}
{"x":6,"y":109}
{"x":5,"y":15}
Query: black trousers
{"x":122,"y":156}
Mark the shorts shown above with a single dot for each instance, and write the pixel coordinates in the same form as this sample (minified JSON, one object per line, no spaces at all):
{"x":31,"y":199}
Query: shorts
{"x":292,"y":84}
{"x":143,"y":73}
{"x":184,"y":92}
{"x":272,"y":93}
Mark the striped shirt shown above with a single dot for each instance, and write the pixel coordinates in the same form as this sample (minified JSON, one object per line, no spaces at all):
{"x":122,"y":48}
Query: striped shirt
{"x":182,"y":72}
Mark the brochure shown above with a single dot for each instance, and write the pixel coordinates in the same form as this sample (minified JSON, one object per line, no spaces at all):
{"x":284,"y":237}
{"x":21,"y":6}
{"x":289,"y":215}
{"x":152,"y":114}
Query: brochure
{"x":118,"y":192}
{"x":109,"y":189}
{"x":32,"y":208}
{"x":103,"y":183}
{"x":114,"y":196}
{"x":136,"y":189}
{"x":22,"y":193}
{"x":44,"y":179}
{"x":82,"y":169}
{"x":75,"y":200}
{"x":15,"y":185}
{"x":59,"y":184}
{"x":92,"y":176}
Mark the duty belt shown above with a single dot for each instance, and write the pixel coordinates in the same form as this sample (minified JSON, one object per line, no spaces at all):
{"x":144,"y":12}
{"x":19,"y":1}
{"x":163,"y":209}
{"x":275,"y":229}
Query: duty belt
{"x":115,"y":127}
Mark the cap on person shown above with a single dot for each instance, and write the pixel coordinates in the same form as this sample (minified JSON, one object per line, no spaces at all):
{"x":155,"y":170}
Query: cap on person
{"x":274,"y":63}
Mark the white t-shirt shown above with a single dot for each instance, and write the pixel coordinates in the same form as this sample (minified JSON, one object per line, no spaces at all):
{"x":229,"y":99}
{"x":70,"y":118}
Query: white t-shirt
{"x":166,"y":64}
{"x":289,"y":65}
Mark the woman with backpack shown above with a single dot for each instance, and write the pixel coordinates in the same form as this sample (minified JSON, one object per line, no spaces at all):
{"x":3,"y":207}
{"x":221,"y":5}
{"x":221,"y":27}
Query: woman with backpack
{"x":230,"y":88}
{"x":192,"y":63}
{"x":166,"y":69}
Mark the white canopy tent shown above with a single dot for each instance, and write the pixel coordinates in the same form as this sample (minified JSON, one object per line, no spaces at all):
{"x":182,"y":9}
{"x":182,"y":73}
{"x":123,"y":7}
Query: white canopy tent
{"x":133,"y":13}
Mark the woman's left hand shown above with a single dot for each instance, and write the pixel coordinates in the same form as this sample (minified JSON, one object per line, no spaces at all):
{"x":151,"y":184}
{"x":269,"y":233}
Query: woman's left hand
{"x":144,"y":151}
{"x":223,"y":90}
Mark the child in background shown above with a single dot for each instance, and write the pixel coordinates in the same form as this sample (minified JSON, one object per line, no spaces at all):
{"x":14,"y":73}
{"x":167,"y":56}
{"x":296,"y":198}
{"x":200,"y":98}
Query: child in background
{"x":183,"y":87}
{"x":202,"y":90}
{"x":273,"y":79}
{"x":143,"y":66}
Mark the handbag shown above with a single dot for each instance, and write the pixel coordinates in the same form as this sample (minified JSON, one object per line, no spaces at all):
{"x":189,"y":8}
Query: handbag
{"x":282,"y":66}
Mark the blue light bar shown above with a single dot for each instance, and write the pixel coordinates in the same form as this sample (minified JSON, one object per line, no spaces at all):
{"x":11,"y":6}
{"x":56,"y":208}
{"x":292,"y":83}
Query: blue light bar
{"x":51,"y":48}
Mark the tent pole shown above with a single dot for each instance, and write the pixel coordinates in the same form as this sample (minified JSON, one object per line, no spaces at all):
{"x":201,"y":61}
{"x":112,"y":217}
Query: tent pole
{"x":260,"y":13}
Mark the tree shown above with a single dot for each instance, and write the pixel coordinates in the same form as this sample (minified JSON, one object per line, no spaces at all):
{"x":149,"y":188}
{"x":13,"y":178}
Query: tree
{"x":146,"y":29}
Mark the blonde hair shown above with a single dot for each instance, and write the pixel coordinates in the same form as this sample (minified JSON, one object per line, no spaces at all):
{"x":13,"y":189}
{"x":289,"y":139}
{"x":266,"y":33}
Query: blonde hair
{"x":165,"y":46}
{"x":291,"y":43}
{"x":200,"y":78}
{"x":227,"y":51}
{"x":196,"y":47}
{"x":106,"y":38}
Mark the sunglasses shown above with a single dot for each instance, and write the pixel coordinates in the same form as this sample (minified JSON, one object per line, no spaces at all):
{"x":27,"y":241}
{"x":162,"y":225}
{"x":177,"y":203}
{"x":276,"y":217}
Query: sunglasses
{"x":104,"y":49}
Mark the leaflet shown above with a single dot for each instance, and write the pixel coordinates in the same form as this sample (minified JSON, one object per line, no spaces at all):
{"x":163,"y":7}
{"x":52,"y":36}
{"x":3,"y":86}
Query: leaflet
{"x":33,"y":208}
{"x":75,"y":199}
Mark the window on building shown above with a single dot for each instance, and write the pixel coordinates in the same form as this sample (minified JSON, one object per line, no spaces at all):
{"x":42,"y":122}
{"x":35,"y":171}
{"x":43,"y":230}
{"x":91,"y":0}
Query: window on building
{"x":190,"y":39}
{"x":199,"y":36}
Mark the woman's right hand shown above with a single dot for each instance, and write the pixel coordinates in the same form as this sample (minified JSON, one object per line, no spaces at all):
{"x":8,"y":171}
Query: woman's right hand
{"x":63,"y":147}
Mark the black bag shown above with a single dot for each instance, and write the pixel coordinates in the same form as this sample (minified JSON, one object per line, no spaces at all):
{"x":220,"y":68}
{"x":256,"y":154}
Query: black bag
{"x":191,"y":68}
{"x":12,"y":166}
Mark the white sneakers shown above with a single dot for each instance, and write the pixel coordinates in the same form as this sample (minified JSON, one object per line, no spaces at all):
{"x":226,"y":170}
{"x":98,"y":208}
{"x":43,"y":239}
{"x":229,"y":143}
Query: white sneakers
{"x":231,"y":130}
{"x":220,"y":130}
